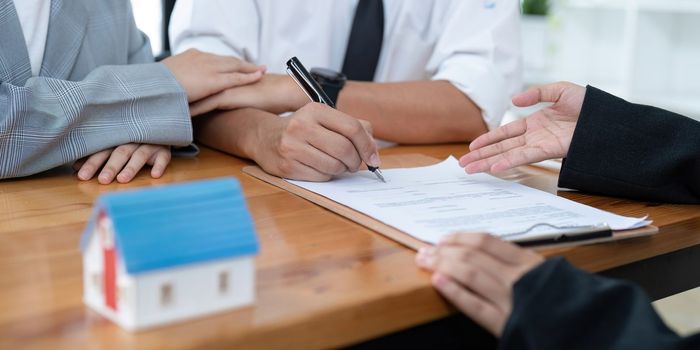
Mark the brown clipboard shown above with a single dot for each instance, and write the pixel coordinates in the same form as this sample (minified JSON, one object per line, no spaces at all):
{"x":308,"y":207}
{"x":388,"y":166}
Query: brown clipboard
{"x":404,"y":161}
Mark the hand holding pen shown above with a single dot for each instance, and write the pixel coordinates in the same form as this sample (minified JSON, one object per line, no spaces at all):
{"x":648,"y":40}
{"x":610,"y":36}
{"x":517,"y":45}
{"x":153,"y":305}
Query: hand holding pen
{"x":311,"y":88}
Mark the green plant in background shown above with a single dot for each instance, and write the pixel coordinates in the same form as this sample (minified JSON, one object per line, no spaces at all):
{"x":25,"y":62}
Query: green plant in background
{"x":535,"y":7}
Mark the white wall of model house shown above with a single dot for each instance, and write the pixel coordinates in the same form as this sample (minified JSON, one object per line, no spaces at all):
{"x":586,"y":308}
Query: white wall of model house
{"x":168,"y":295}
{"x":168,"y":253}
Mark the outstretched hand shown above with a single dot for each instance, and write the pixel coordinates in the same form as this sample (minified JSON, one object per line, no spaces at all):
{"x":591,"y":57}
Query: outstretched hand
{"x":546,"y":134}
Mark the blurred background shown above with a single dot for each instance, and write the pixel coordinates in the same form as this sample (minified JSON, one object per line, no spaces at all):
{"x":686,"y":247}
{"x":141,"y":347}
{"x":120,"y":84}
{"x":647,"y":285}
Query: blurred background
{"x":646,"y":51}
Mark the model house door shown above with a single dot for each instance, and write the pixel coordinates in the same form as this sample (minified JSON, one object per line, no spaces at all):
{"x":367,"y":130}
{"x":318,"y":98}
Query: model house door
{"x":109,"y":258}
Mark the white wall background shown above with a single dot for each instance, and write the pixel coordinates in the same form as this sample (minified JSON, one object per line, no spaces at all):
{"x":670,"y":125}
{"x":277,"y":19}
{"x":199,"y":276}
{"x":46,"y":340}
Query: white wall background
{"x":646,"y":51}
{"x":148,"y":18}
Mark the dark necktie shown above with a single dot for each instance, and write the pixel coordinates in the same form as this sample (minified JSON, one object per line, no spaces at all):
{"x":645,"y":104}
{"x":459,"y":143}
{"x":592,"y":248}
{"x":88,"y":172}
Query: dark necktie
{"x":365,"y":43}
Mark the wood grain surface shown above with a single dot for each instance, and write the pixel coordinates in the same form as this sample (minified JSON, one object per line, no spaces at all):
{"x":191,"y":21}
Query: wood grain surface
{"x":322,"y":280}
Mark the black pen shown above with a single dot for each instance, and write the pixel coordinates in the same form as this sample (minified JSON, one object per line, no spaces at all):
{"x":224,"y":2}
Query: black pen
{"x":315,"y":92}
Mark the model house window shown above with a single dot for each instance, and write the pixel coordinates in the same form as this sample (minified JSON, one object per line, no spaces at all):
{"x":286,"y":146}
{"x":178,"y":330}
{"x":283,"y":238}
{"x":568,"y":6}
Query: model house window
{"x":166,"y":294}
{"x":223,"y":282}
{"x":97,"y":281}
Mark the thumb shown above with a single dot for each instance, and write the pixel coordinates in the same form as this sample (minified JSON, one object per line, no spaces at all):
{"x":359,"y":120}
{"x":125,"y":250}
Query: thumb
{"x":543,"y":93}
{"x":370,"y":153}
{"x":367,"y":125}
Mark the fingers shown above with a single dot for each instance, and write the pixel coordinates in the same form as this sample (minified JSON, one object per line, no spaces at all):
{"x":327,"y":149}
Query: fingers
{"x":336,"y":146}
{"x":219,"y":89}
{"x":473,"y":269}
{"x":135,"y":163}
{"x":543,"y":93}
{"x":505,"y":161}
{"x":484,"y":242}
{"x":477,"y":272}
{"x":367,"y":125}
{"x":160,"y":162}
{"x":514,"y":261}
{"x":230,"y":80}
{"x":520,"y":259}
{"x":321,"y":161}
{"x":512,"y":129}
{"x":124,"y":162}
{"x":475,"y":161}
{"x":202,"y":74}
{"x":442,"y":257}
{"x":295,"y":170}
{"x":119,"y":157}
{"x":209,"y":104}
{"x":316,"y":143}
{"x":515,"y":158}
{"x":231,"y":95}
{"x":78,"y":164}
{"x":92,"y":164}
{"x":227,"y":64}
{"x":472,"y":305}
{"x":352,"y":129}
{"x":142,"y":155}
{"x":294,"y":147}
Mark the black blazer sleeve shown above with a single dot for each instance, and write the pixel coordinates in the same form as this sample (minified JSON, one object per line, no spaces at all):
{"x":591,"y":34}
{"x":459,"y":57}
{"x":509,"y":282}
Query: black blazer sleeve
{"x":634,"y":151}
{"x":557,"y":306}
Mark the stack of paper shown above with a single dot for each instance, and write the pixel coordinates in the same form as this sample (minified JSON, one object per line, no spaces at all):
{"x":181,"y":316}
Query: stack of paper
{"x":433,"y":201}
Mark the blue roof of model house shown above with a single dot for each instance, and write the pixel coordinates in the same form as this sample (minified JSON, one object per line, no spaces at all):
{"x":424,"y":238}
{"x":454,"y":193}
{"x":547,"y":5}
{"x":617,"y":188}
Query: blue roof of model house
{"x":174,"y":225}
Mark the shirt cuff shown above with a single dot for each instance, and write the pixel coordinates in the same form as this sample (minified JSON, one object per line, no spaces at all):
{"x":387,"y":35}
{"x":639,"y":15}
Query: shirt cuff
{"x":479,"y":81}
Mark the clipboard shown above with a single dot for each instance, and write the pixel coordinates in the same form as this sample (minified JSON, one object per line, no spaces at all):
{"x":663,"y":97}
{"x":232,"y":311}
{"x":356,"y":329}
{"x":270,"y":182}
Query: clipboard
{"x":419,"y":160}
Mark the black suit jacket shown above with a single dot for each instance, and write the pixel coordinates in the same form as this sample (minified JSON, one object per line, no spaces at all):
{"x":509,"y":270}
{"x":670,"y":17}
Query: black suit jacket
{"x":619,"y":149}
{"x":557,"y":306}
{"x":634,"y":151}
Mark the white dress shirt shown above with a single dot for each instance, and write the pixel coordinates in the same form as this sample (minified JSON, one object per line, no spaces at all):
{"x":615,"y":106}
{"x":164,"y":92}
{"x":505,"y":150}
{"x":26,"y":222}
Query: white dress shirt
{"x":34,"y":18}
{"x":475,"y":44}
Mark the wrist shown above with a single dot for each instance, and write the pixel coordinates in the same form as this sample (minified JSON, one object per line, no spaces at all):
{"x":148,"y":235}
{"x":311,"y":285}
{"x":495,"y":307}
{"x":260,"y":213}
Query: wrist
{"x":331,"y":81}
{"x":263,"y":125}
{"x":294,"y":97}
{"x":248,"y":132}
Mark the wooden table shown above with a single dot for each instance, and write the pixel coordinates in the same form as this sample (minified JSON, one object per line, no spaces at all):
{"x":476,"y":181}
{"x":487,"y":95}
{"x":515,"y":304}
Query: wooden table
{"x":322,"y":281}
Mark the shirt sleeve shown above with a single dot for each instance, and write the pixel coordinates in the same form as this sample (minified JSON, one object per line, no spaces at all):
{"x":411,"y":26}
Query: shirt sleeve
{"x":556,"y":306}
{"x":207,"y":25}
{"x":479,"y":52}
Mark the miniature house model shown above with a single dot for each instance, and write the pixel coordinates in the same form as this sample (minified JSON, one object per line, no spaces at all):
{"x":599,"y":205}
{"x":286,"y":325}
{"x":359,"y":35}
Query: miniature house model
{"x":165,"y":254}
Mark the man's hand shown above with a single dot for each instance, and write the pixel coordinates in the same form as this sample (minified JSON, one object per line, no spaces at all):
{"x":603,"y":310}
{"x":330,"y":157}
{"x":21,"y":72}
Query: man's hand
{"x":202,"y":74}
{"x":314,"y":144}
{"x":274,"y":93}
{"x":124,"y":162}
{"x":476,"y":272}
{"x":546,"y":134}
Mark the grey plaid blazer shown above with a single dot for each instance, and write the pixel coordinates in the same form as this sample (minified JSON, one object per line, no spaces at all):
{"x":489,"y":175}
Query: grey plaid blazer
{"x":97,"y":88}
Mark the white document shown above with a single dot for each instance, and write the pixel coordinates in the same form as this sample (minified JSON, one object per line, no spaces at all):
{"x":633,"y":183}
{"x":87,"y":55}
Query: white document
{"x":430,"y":202}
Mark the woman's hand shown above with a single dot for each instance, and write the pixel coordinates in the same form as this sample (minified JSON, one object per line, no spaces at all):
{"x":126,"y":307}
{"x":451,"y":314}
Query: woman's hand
{"x":124,"y":162}
{"x":476,"y":272}
{"x":546,"y":134}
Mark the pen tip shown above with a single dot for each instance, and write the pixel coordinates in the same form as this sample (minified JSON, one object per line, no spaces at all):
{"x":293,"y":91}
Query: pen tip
{"x":379,"y":175}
